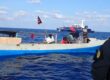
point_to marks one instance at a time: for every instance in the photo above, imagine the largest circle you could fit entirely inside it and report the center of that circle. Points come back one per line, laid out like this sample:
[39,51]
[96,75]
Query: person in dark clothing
[76,34]
[85,34]
[101,64]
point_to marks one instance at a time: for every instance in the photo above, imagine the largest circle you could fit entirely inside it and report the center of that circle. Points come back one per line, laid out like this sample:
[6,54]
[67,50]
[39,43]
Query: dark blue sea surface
[47,66]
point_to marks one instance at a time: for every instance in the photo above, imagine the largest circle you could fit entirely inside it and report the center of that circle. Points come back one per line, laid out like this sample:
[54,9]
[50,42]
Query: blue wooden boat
[76,48]
[11,45]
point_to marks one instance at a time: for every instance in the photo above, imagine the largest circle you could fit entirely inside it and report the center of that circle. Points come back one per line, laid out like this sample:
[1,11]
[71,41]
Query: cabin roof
[10,33]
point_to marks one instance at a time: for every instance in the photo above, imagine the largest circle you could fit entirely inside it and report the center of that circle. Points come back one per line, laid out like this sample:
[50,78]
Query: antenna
[82,23]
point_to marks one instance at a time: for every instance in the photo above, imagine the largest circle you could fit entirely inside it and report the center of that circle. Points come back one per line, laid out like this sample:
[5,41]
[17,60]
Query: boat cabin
[8,33]
[9,37]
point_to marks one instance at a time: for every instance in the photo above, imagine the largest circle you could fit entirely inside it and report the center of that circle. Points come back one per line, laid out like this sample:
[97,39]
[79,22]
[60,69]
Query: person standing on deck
[32,37]
[85,34]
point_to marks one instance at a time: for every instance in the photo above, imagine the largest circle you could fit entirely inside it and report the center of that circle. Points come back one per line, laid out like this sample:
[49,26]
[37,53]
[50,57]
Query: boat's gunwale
[90,50]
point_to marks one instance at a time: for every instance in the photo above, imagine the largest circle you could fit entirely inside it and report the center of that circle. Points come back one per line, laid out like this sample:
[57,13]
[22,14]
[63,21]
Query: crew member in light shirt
[50,39]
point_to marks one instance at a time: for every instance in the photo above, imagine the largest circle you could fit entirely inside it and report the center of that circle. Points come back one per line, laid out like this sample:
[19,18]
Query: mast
[82,23]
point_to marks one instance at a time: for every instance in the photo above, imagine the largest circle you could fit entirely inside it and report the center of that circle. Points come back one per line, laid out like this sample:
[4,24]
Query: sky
[55,13]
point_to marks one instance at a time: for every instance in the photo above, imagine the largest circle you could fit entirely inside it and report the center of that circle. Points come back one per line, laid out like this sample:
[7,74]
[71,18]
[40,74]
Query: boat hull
[27,49]
[88,50]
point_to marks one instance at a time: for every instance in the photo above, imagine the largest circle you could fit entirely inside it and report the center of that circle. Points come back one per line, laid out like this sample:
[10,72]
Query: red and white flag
[39,20]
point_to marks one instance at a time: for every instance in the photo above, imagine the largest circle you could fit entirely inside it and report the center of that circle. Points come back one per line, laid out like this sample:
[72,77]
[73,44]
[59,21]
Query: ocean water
[49,66]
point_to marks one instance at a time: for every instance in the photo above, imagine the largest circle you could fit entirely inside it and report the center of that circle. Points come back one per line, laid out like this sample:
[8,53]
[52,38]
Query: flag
[39,20]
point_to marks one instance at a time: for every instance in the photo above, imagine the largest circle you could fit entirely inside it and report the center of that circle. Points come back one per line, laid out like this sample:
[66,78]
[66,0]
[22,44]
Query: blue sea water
[49,66]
